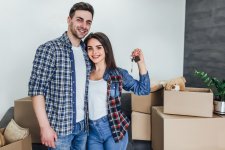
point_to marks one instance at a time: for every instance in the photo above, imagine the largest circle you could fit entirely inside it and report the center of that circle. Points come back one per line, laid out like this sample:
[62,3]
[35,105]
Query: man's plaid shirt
[117,80]
[53,76]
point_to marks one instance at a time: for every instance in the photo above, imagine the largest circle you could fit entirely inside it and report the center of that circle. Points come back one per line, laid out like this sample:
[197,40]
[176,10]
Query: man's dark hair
[81,6]
[104,40]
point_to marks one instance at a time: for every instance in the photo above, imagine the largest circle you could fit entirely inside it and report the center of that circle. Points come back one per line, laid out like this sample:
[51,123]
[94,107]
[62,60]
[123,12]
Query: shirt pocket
[114,91]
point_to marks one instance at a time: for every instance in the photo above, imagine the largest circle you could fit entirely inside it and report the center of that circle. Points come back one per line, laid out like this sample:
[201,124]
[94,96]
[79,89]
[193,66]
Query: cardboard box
[143,103]
[24,115]
[141,126]
[192,101]
[175,132]
[24,144]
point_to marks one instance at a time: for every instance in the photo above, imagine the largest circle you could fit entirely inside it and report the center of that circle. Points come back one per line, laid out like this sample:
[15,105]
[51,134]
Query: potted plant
[218,89]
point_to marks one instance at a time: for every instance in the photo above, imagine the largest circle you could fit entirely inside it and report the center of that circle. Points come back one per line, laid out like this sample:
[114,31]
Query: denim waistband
[103,119]
[79,126]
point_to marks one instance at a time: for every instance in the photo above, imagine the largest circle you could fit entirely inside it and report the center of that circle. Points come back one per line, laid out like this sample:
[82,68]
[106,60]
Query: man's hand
[48,136]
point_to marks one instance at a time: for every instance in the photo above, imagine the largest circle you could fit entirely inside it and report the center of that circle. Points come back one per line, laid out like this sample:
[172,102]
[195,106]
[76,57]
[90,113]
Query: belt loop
[81,126]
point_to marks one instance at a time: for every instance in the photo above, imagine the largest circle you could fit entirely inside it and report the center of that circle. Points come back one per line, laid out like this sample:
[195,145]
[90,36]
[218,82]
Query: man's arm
[48,135]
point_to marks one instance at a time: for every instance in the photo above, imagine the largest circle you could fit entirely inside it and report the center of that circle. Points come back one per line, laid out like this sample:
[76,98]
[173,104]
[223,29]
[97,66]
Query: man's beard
[75,34]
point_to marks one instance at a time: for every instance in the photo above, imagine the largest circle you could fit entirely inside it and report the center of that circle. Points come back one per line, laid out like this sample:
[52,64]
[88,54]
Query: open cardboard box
[191,102]
[24,144]
[24,115]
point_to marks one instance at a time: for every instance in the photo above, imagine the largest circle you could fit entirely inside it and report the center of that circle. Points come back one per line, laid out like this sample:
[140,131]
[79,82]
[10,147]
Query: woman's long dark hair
[104,40]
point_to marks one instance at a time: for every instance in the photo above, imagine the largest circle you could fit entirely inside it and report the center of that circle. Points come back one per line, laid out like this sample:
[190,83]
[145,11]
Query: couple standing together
[76,88]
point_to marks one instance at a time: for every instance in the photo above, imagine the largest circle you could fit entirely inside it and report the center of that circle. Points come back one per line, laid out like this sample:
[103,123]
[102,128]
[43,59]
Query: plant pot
[219,107]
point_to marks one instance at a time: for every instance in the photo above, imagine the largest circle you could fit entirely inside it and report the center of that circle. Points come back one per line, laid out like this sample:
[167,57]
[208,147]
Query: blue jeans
[100,136]
[75,141]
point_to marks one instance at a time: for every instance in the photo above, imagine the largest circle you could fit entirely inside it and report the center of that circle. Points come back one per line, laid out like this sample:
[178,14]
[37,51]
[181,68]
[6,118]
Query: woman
[108,125]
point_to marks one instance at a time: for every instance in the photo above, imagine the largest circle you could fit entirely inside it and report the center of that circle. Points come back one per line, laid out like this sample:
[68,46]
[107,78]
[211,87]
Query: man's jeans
[100,136]
[75,141]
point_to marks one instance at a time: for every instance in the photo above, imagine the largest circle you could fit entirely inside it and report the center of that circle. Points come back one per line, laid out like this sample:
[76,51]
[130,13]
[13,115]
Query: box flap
[156,87]
[28,98]
[159,109]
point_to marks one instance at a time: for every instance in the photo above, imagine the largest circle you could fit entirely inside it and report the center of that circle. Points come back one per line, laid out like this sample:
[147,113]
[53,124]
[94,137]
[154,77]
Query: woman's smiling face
[96,51]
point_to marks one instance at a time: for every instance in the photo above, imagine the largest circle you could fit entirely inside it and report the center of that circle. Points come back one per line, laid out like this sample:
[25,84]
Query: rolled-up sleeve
[42,71]
[139,87]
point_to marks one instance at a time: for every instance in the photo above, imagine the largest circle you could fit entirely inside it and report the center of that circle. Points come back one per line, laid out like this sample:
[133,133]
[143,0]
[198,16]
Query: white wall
[156,26]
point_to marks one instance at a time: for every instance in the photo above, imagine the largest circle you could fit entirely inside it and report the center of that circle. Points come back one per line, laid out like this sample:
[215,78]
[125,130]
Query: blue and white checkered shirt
[53,76]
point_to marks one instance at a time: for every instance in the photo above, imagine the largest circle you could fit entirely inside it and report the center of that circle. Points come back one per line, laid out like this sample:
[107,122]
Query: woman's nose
[95,51]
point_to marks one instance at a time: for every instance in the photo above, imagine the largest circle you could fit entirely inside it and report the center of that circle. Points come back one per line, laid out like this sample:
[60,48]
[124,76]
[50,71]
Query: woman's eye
[89,48]
[99,47]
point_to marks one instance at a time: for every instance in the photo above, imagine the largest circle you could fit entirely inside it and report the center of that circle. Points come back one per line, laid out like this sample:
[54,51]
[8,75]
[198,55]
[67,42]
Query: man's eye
[88,23]
[79,20]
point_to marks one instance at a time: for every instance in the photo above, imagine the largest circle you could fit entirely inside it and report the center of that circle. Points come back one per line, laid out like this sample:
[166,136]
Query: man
[59,83]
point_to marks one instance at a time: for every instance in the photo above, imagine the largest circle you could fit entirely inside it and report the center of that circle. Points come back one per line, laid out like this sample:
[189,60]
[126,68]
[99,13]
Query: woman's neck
[98,72]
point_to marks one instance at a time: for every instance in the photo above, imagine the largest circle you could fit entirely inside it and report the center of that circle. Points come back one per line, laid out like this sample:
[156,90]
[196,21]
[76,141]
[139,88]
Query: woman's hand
[141,62]
[138,52]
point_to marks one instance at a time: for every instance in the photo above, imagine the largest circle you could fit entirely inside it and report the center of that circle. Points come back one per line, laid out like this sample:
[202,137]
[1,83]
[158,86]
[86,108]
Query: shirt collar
[110,72]
[67,42]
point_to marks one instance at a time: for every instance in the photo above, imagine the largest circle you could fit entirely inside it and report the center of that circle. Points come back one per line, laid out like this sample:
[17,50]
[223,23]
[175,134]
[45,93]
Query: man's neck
[75,41]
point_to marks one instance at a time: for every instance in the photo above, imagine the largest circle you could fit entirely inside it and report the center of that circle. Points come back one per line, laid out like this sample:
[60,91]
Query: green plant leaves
[217,86]
[204,77]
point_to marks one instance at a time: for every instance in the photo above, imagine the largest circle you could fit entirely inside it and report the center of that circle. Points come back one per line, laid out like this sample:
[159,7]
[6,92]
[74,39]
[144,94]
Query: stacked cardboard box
[186,122]
[141,113]
[24,115]
[177,132]
[191,102]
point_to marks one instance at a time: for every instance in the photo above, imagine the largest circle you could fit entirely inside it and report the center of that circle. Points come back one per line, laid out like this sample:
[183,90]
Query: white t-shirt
[97,99]
[80,70]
